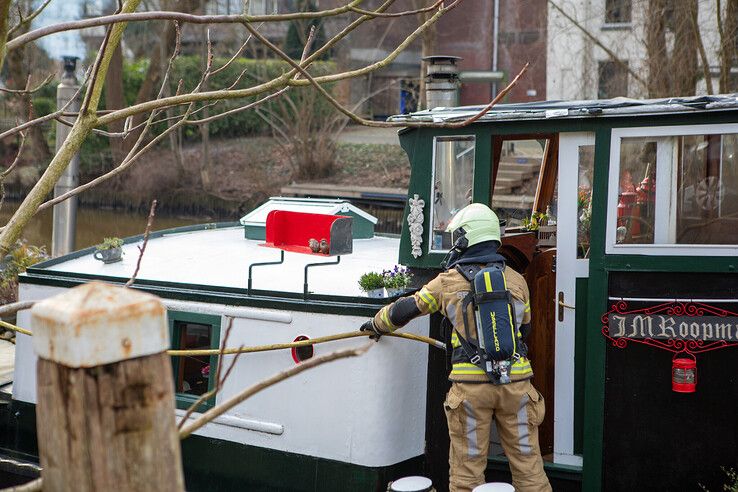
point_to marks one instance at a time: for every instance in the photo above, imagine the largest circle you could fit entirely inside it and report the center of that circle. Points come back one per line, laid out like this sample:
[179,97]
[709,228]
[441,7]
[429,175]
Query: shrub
[370,281]
[16,262]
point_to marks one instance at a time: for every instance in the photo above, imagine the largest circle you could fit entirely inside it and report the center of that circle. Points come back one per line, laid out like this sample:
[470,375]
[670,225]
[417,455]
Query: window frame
[473,138]
[659,249]
[604,91]
[610,22]
[183,400]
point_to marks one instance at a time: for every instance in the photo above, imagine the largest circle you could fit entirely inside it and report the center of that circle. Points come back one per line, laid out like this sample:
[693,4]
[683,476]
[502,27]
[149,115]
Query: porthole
[300,354]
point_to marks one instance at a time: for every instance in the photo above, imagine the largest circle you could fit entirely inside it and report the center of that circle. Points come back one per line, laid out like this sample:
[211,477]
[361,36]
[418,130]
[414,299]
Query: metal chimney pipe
[442,81]
[65,213]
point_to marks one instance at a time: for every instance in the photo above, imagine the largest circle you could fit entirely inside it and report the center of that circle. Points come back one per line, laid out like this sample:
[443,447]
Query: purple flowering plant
[397,278]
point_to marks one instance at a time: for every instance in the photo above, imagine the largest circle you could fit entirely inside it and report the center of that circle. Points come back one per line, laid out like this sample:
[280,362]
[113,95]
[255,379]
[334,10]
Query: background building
[655,48]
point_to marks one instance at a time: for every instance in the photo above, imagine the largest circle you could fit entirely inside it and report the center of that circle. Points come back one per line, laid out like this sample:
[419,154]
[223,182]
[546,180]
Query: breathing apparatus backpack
[498,344]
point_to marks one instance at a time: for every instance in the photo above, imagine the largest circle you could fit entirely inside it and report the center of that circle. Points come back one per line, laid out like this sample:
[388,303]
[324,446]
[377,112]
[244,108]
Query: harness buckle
[475,360]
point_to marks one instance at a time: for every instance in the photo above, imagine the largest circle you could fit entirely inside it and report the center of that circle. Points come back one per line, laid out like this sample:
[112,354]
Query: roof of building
[619,106]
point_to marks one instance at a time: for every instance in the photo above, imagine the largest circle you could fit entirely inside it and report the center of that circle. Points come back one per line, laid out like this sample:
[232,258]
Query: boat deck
[221,257]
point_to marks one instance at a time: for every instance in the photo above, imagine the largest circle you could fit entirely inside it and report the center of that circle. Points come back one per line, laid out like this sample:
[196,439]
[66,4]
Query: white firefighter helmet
[479,222]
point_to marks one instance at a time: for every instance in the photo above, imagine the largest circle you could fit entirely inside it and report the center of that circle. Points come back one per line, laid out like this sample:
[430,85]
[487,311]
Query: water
[94,224]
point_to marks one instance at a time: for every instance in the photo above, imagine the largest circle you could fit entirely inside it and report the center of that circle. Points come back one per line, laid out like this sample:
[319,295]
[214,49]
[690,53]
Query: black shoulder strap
[468,272]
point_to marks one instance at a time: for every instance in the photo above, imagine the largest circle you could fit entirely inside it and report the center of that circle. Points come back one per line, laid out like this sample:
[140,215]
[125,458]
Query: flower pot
[375,293]
[109,255]
[395,291]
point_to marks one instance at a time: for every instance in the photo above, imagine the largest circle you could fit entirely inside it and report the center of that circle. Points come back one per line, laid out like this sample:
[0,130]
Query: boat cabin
[642,197]
[621,214]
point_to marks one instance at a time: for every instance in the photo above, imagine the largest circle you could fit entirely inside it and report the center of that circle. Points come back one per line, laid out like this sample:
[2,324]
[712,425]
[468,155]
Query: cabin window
[194,375]
[453,184]
[584,199]
[677,190]
[518,167]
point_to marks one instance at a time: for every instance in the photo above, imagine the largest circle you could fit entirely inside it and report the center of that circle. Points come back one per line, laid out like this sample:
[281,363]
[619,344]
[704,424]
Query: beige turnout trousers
[518,409]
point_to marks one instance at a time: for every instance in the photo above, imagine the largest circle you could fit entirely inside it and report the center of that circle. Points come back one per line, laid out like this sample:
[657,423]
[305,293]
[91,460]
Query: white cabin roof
[326,206]
[221,258]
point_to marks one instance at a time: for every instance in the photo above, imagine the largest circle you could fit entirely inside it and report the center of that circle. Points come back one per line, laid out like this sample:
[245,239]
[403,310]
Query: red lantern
[684,374]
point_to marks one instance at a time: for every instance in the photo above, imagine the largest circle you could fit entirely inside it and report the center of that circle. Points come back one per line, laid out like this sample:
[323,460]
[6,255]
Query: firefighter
[475,398]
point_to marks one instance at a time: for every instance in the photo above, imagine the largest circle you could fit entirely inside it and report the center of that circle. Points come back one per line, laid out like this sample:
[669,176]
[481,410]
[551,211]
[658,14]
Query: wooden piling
[105,409]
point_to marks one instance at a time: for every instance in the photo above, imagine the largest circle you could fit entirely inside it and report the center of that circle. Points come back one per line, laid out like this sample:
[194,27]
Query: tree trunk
[728,28]
[658,58]
[36,151]
[684,58]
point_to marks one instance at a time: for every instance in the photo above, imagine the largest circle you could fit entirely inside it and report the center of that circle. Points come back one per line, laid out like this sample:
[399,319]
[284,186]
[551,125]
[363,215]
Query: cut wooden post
[105,411]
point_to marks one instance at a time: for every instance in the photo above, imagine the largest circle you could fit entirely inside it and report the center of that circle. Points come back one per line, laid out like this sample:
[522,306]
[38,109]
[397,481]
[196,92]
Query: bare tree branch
[219,382]
[398,14]
[91,120]
[14,307]
[172,16]
[279,82]
[84,125]
[384,124]
[27,19]
[48,79]
[701,50]
[142,248]
[10,168]
[42,119]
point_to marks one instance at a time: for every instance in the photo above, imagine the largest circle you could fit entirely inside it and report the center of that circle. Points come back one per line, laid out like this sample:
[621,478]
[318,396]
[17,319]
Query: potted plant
[545,229]
[396,280]
[110,250]
[373,284]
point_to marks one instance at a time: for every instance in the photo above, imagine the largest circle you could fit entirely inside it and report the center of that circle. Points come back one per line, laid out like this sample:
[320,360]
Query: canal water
[94,224]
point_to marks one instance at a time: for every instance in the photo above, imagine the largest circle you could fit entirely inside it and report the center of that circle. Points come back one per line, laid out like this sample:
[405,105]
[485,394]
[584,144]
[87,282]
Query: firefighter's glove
[369,326]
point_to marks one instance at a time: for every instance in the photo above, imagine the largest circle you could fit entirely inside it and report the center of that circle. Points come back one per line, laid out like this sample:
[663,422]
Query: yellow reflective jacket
[445,294]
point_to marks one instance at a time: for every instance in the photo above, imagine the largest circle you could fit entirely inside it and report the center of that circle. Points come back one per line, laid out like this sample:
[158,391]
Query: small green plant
[397,278]
[109,243]
[536,220]
[371,281]
[16,262]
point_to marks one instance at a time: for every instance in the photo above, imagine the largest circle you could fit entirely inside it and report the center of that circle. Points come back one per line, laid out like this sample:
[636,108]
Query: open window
[674,190]
[194,375]
[520,184]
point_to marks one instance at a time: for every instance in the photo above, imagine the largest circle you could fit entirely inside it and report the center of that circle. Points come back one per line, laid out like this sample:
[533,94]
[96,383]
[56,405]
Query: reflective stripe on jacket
[445,294]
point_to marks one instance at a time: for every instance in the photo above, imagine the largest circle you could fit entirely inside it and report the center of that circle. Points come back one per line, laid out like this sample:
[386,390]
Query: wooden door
[541,279]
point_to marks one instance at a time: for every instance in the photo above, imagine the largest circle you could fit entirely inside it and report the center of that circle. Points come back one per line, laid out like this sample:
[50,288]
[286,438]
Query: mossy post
[105,394]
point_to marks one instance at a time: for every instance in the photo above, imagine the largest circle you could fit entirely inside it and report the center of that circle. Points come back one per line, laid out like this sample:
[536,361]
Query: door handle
[563,305]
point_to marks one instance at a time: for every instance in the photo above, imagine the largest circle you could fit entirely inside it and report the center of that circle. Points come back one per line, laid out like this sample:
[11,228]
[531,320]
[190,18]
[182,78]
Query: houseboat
[623,216]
